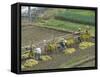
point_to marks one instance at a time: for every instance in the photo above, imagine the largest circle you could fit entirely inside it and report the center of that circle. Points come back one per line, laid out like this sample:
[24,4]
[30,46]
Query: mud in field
[37,34]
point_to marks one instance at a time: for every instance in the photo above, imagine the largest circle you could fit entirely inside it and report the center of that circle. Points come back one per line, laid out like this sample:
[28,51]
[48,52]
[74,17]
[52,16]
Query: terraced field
[48,27]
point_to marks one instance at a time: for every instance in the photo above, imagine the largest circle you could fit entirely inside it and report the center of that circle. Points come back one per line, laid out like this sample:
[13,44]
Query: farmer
[65,43]
[79,38]
[62,44]
[87,29]
[87,32]
[37,53]
[45,46]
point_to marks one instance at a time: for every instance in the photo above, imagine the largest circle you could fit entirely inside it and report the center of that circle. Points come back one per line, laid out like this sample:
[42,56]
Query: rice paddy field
[54,23]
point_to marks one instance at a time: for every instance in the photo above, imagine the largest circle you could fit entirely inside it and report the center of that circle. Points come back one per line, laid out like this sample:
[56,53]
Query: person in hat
[79,37]
[62,44]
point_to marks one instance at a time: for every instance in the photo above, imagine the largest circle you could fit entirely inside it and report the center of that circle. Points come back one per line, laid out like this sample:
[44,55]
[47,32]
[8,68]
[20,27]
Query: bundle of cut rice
[46,58]
[69,50]
[30,63]
[84,45]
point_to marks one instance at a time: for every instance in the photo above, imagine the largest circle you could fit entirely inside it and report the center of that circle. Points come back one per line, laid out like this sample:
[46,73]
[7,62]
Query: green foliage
[81,16]
[65,25]
[74,19]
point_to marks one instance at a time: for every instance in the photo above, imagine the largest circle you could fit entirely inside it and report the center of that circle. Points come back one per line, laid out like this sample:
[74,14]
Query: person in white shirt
[37,53]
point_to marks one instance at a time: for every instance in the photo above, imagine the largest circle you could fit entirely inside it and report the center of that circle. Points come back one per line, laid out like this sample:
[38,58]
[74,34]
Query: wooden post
[29,15]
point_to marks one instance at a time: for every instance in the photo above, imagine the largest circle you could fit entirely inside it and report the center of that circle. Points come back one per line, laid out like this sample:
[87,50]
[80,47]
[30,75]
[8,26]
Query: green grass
[82,12]
[80,16]
[65,25]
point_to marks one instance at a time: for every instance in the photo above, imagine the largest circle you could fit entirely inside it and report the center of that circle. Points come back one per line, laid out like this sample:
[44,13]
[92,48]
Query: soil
[37,34]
